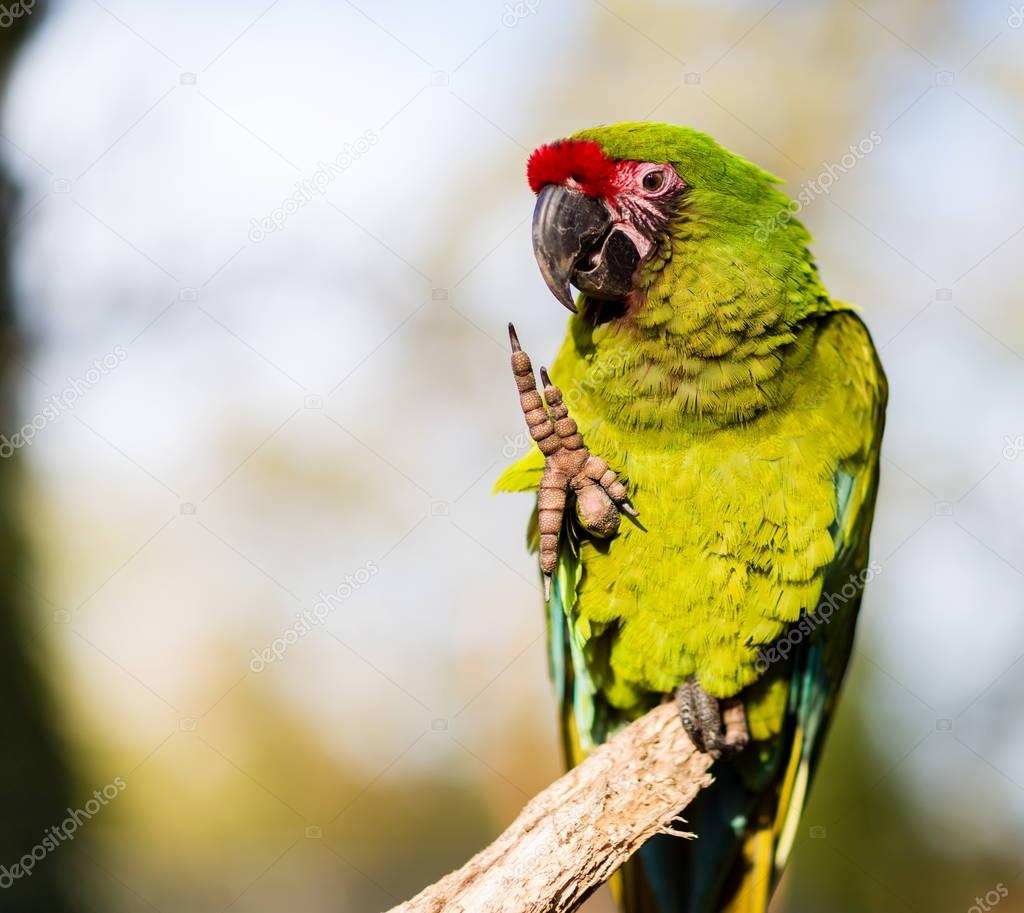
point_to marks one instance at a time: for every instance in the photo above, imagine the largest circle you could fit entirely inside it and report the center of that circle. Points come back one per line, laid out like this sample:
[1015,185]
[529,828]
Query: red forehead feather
[582,160]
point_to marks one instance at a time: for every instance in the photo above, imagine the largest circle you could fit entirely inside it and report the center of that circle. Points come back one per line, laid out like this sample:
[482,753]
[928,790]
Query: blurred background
[264,629]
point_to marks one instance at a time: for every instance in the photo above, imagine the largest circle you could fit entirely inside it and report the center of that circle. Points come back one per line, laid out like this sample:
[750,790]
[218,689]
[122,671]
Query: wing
[815,670]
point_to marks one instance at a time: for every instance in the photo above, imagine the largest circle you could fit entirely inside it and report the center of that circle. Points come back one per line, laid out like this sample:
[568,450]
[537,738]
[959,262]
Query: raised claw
[568,464]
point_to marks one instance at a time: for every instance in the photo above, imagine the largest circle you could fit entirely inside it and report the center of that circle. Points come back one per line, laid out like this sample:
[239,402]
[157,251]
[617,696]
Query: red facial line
[582,161]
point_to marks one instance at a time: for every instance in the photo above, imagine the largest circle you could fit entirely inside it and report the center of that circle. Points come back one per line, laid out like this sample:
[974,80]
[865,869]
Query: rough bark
[572,837]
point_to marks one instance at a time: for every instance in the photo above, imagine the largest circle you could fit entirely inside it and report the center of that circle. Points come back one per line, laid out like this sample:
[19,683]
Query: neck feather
[712,338]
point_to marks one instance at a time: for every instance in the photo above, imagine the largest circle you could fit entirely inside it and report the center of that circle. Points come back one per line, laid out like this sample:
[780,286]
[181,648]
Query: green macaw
[708,379]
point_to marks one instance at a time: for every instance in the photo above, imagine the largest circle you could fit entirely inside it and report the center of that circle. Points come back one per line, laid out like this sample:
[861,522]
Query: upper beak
[566,224]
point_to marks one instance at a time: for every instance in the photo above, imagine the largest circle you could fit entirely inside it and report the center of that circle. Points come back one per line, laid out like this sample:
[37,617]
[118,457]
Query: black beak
[566,226]
[574,244]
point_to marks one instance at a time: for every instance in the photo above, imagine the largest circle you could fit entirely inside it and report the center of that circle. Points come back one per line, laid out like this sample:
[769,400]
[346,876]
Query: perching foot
[714,726]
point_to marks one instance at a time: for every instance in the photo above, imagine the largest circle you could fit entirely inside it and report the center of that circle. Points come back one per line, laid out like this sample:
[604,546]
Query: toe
[734,720]
[701,716]
[698,712]
[687,708]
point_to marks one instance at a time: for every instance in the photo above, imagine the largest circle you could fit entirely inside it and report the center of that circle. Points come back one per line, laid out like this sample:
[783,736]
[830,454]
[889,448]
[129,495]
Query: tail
[728,868]
[731,865]
[748,889]
[745,824]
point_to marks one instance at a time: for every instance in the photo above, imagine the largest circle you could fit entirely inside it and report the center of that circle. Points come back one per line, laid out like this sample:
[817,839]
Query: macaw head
[619,207]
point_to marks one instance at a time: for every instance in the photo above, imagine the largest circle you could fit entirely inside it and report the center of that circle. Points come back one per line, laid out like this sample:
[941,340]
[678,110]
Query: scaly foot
[714,726]
[568,464]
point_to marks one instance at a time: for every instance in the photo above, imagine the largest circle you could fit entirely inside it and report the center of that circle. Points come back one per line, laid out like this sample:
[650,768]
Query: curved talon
[513,338]
[628,507]
[545,378]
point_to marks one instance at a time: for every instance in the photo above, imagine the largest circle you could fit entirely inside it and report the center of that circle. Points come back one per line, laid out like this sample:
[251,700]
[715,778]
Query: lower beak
[566,226]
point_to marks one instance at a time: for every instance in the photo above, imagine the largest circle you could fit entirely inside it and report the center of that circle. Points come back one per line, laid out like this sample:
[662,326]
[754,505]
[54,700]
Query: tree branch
[570,838]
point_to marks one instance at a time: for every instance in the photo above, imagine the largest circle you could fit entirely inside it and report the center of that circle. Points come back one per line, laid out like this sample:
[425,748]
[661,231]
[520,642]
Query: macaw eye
[653,181]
